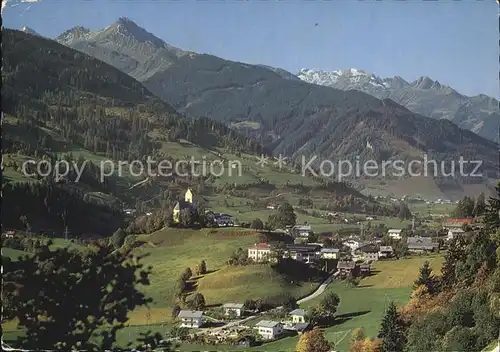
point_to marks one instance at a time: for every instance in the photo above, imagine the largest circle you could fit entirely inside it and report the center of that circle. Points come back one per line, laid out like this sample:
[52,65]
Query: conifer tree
[492,218]
[425,278]
[392,331]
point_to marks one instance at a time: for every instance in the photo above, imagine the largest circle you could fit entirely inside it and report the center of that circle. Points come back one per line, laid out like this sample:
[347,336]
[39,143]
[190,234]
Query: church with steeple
[187,203]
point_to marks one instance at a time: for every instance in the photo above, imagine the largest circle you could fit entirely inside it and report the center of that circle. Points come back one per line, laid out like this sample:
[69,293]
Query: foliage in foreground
[313,341]
[64,299]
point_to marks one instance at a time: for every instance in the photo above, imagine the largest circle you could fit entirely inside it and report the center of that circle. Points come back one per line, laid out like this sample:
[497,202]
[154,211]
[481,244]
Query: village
[348,259]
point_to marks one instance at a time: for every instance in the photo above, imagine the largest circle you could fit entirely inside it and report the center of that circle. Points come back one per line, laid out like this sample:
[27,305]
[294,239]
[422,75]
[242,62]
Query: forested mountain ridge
[290,116]
[91,102]
[61,104]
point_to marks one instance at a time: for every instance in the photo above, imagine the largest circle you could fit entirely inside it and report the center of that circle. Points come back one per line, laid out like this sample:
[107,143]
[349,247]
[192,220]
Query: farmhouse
[455,227]
[385,252]
[222,219]
[269,329]
[346,267]
[303,231]
[298,316]
[456,223]
[187,203]
[191,318]
[259,252]
[306,253]
[368,252]
[365,269]
[395,234]
[421,244]
[329,253]
[237,308]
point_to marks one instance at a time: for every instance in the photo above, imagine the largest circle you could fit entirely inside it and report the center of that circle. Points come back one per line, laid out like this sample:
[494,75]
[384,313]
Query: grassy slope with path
[363,306]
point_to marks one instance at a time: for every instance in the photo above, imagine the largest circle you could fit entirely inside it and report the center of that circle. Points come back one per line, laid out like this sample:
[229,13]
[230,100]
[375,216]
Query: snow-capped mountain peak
[126,27]
[342,79]
[74,34]
[29,30]
[124,31]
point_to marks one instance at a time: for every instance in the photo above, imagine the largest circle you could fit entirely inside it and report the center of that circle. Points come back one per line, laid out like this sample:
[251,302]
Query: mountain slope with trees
[459,308]
[424,96]
[61,104]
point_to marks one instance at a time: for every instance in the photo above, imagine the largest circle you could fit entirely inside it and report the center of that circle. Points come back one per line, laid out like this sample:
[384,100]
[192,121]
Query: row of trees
[182,283]
[469,207]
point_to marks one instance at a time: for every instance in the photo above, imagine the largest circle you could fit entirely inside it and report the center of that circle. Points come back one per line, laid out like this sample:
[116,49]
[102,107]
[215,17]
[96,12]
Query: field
[170,251]
[363,306]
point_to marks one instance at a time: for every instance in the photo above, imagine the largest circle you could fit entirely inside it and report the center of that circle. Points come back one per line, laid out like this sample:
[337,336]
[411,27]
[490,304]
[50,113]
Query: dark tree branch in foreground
[65,299]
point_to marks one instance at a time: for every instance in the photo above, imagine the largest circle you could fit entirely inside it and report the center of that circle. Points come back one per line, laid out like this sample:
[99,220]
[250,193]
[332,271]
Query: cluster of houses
[271,329]
[310,253]
[194,318]
[455,227]
[267,329]
[306,253]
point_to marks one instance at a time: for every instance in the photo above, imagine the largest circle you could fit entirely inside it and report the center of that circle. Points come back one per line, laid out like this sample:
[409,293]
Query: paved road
[319,290]
[315,294]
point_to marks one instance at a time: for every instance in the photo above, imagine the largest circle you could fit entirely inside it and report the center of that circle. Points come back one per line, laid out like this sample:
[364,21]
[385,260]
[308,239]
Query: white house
[259,252]
[394,234]
[191,318]
[385,252]
[306,253]
[330,253]
[269,329]
[298,316]
[301,231]
[237,308]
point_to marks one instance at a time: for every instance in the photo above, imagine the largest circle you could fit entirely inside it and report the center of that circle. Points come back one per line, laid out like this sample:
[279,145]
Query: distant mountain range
[289,115]
[424,96]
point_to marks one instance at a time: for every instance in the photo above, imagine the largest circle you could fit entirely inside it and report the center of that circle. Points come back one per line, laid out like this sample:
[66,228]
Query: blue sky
[454,42]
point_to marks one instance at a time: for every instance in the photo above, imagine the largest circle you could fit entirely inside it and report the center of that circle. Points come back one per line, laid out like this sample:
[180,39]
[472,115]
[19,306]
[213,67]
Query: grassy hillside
[363,306]
[186,248]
